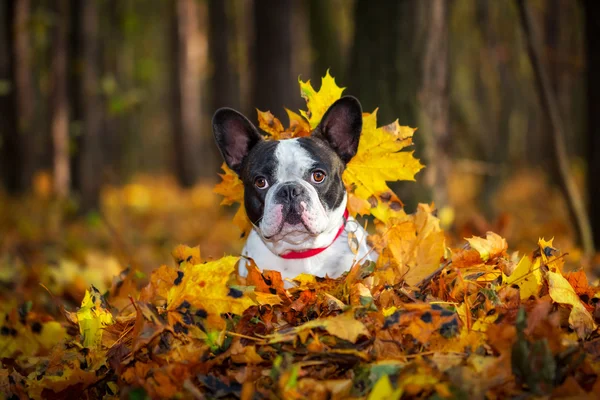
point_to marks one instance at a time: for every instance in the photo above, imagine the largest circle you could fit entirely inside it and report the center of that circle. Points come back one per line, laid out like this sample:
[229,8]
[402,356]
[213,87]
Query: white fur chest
[333,261]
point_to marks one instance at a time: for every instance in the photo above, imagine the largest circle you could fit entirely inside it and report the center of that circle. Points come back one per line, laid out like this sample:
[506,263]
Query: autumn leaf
[343,326]
[299,127]
[264,281]
[579,282]
[562,292]
[161,281]
[548,254]
[319,101]
[93,316]
[415,243]
[379,159]
[27,336]
[183,253]
[208,287]
[383,390]
[232,190]
[230,187]
[271,125]
[58,382]
[528,276]
[489,248]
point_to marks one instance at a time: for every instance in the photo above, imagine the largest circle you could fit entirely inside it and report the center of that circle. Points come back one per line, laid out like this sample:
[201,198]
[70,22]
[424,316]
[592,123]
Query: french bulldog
[293,192]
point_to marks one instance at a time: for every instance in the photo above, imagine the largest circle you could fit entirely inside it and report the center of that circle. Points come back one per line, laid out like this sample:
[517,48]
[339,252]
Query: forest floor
[471,330]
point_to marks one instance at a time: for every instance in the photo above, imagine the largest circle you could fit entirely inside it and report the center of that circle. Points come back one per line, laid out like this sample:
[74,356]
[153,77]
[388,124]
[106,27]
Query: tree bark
[399,65]
[325,39]
[433,99]
[9,145]
[550,106]
[194,157]
[274,83]
[90,153]
[225,81]
[24,96]
[383,65]
[592,33]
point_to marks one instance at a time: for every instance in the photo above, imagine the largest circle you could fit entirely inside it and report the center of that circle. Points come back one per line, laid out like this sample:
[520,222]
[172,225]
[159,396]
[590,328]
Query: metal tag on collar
[351,228]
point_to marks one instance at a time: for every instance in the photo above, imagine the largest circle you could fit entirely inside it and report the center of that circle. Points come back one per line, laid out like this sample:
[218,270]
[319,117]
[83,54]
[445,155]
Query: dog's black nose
[290,191]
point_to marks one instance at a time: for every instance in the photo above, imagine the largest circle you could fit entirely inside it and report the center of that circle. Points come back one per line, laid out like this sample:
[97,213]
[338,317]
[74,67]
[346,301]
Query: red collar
[295,255]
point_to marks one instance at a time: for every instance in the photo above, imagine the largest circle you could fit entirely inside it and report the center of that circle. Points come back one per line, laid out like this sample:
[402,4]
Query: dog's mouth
[292,224]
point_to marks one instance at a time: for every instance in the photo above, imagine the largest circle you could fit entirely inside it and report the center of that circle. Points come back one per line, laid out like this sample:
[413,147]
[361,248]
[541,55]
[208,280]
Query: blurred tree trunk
[577,208]
[24,96]
[9,145]
[59,107]
[112,38]
[193,151]
[224,83]
[324,38]
[433,99]
[592,33]
[383,65]
[274,85]
[399,63]
[89,171]
[542,150]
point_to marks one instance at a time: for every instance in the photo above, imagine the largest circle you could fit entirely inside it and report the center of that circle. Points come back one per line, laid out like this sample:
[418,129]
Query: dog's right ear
[235,136]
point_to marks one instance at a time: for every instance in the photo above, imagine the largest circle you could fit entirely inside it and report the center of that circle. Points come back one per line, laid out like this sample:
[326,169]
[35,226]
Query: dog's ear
[341,126]
[235,136]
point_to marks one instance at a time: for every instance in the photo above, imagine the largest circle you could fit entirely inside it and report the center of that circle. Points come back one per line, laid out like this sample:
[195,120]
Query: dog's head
[293,188]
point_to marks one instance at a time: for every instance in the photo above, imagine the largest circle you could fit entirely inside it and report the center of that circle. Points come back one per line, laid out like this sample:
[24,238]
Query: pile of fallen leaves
[424,321]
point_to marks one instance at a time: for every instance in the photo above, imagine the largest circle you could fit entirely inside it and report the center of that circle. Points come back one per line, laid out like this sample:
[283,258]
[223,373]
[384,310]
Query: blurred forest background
[107,156]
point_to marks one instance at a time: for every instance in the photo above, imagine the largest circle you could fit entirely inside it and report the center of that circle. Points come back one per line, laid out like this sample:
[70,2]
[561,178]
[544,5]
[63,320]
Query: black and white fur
[293,211]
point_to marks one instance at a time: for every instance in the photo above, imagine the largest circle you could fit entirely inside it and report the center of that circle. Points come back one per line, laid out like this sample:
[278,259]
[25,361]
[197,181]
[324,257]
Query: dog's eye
[261,182]
[318,176]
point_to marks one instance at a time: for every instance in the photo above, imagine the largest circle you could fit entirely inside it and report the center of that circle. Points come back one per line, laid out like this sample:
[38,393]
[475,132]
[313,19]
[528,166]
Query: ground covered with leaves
[430,319]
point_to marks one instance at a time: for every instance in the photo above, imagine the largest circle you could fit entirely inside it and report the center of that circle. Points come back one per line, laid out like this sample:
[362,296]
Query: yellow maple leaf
[562,292]
[266,299]
[26,338]
[183,253]
[208,287]
[527,275]
[318,102]
[230,187]
[232,190]
[549,259]
[343,326]
[92,317]
[415,242]
[379,160]
[492,246]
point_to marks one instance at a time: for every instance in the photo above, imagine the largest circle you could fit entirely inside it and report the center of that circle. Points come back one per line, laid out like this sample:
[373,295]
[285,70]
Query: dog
[294,194]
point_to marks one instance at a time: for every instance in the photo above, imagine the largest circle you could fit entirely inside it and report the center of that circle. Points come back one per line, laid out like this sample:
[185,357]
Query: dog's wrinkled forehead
[290,159]
[293,161]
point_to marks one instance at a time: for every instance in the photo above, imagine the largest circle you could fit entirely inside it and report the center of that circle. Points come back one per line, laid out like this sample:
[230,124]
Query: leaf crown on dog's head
[378,160]
[340,127]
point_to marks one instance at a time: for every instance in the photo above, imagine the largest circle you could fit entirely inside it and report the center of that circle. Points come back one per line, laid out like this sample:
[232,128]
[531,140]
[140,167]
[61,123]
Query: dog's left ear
[341,126]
